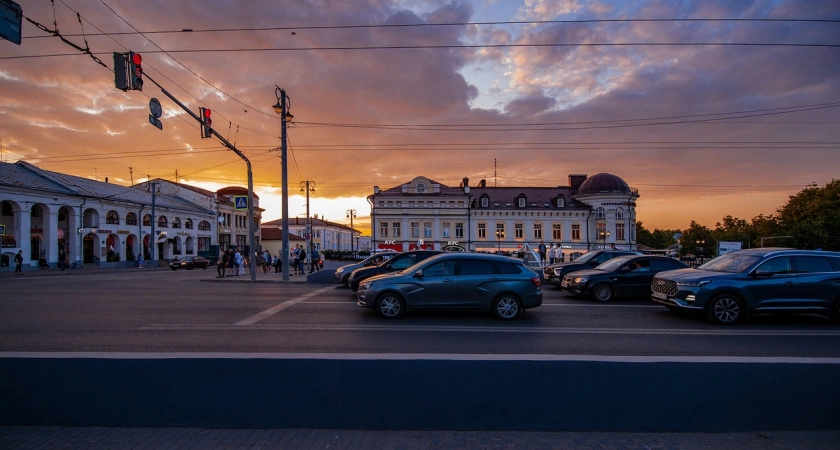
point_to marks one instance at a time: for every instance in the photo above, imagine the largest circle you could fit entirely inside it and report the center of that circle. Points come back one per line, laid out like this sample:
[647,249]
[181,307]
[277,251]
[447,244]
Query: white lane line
[428,356]
[494,329]
[277,308]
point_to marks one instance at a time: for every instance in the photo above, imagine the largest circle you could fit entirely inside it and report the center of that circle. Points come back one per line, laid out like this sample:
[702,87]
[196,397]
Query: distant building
[590,213]
[326,235]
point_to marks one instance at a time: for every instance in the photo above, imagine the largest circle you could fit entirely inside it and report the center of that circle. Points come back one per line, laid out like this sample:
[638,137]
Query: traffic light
[121,71]
[206,122]
[135,71]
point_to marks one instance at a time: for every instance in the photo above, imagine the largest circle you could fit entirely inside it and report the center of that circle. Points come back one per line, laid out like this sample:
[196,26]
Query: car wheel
[507,307]
[602,292]
[390,306]
[725,309]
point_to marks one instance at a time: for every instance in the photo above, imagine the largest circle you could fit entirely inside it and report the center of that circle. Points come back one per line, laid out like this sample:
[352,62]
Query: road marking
[487,329]
[277,308]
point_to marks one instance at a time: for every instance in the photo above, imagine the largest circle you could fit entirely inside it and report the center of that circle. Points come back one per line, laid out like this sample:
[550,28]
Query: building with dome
[590,213]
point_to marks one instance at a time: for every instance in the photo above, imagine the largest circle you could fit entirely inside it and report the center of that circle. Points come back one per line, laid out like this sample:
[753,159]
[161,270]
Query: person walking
[295,259]
[62,259]
[231,262]
[238,260]
[19,263]
[278,263]
[140,259]
[221,263]
[542,250]
[302,260]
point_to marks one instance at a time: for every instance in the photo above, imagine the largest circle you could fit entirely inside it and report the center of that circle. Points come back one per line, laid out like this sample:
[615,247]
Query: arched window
[204,225]
[619,213]
[188,224]
[176,223]
[161,222]
[600,213]
[147,220]
[131,219]
[112,217]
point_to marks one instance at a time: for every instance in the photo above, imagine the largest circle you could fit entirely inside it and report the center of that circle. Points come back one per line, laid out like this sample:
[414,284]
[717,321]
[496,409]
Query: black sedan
[189,263]
[623,276]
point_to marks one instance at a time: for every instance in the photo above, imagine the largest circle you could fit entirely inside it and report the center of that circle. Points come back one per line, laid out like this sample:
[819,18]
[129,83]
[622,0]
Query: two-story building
[590,213]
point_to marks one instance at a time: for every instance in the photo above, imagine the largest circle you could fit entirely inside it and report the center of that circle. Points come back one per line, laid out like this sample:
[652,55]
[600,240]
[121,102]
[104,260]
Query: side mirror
[418,274]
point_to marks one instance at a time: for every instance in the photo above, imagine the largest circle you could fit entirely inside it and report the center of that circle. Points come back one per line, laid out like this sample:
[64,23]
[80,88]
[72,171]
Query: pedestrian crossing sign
[240,202]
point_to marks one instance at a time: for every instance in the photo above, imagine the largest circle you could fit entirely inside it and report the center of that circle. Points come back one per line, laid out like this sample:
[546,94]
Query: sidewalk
[24,438]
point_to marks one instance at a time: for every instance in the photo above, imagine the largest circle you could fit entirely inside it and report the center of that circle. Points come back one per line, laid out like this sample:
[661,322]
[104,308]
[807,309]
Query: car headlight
[581,279]
[339,270]
[699,283]
[365,286]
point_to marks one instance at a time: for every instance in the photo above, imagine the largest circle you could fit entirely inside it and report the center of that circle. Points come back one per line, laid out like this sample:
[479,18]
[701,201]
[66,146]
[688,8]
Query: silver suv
[759,280]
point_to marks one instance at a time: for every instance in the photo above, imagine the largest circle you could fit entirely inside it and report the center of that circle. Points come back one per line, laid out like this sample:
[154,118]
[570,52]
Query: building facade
[590,213]
[326,235]
[45,213]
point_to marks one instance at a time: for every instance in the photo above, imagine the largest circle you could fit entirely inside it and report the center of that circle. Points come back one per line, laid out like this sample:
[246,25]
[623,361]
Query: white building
[590,213]
[326,235]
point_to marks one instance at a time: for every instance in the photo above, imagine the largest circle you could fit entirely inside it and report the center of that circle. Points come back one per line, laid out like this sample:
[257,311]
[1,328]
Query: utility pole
[351,214]
[310,187]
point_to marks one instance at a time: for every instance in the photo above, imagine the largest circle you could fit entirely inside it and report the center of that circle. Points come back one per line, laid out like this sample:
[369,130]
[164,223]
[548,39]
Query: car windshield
[586,257]
[611,265]
[730,263]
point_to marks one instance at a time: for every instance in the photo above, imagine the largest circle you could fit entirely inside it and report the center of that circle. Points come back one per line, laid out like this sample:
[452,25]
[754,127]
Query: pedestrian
[258,262]
[231,265]
[62,259]
[221,263]
[302,260]
[19,263]
[542,251]
[558,255]
[238,261]
[296,258]
[551,253]
[140,259]
[278,263]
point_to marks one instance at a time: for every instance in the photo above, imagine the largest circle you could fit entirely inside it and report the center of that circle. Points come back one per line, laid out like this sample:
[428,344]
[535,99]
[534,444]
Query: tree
[698,240]
[656,239]
[735,230]
[813,217]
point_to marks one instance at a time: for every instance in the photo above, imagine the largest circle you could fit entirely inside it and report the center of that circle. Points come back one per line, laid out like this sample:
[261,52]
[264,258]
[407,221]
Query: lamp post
[282,107]
[700,243]
[351,214]
[310,187]
[499,239]
[604,236]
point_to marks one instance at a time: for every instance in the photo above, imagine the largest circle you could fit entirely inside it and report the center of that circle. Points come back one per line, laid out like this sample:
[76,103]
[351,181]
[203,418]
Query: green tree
[656,239]
[735,230]
[812,217]
[698,240]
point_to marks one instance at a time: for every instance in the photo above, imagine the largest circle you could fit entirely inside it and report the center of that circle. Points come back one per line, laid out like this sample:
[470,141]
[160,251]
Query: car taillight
[536,281]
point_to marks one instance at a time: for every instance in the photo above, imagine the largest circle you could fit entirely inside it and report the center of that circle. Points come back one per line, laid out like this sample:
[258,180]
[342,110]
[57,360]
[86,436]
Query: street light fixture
[309,186]
[282,107]
[604,236]
[351,214]
[700,244]
[499,234]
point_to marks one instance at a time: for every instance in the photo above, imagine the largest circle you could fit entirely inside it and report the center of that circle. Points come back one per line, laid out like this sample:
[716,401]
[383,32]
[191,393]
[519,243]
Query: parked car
[189,263]
[760,280]
[622,276]
[343,273]
[554,273]
[455,281]
[397,262]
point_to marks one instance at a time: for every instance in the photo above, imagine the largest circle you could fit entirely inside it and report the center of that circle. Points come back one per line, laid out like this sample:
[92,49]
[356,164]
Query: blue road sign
[240,202]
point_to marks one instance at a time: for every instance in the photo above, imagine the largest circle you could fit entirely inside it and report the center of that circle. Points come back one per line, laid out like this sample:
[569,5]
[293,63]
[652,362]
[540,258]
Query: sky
[709,108]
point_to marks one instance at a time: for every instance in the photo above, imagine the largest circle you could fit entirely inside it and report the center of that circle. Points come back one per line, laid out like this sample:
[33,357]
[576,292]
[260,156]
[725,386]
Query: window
[482,231]
[475,267]
[775,266]
[500,230]
[427,230]
[204,244]
[538,231]
[459,230]
[600,230]
[600,213]
[445,230]
[112,217]
[557,231]
[575,231]
[485,201]
[204,225]
[619,213]
[224,241]
[161,222]
[561,202]
[383,229]
[440,269]
[420,188]
[812,264]
[176,223]
[518,231]
[395,227]
[522,201]
[415,229]
[188,224]
[619,231]
[131,219]
[147,220]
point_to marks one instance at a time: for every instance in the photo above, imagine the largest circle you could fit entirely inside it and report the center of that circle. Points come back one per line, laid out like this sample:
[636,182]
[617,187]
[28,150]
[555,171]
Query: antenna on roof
[495,179]
[131,175]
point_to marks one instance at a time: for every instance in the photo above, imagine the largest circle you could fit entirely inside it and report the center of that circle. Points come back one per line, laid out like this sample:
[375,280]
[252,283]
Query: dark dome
[603,183]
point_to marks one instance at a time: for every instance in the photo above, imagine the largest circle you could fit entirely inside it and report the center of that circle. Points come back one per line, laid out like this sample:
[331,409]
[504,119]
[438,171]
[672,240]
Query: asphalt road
[188,311]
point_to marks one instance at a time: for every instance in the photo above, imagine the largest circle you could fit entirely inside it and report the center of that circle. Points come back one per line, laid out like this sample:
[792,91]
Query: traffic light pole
[251,229]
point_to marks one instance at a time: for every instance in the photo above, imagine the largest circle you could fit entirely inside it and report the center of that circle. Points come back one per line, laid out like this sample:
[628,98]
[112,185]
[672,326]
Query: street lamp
[309,186]
[499,234]
[282,107]
[700,243]
[351,214]
[604,236]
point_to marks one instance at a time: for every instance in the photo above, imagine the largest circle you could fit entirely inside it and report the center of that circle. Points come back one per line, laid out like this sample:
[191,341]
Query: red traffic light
[207,113]
[136,58]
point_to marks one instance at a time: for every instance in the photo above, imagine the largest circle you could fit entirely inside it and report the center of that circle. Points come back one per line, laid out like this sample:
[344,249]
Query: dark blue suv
[759,280]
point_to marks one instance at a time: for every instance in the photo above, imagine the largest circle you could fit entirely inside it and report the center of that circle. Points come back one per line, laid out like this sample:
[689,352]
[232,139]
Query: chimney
[465,182]
[482,183]
[575,180]
[106,179]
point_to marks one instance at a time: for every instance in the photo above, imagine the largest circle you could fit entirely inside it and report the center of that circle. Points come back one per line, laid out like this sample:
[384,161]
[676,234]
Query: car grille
[664,286]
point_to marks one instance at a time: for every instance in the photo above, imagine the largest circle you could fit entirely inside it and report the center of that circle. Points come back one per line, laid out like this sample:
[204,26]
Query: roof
[602,183]
[301,221]
[276,234]
[24,175]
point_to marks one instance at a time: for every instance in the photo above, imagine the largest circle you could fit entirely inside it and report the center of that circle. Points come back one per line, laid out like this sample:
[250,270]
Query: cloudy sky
[708,108]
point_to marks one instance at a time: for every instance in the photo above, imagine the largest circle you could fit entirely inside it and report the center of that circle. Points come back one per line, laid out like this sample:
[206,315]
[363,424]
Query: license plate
[659,295]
